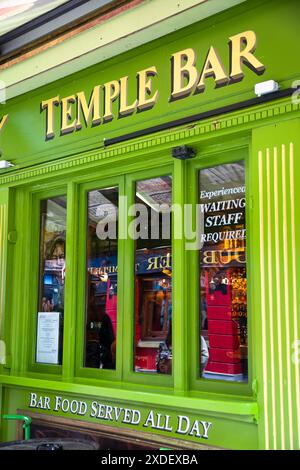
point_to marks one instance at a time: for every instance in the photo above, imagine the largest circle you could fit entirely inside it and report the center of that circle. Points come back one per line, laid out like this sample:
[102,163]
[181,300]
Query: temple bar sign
[76,111]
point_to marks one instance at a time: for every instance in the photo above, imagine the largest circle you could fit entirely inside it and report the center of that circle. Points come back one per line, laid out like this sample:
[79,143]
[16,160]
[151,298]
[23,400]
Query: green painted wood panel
[273,206]
[276,233]
[4,349]
[3,249]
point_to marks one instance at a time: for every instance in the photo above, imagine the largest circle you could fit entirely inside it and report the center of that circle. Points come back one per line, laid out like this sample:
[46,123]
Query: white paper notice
[47,349]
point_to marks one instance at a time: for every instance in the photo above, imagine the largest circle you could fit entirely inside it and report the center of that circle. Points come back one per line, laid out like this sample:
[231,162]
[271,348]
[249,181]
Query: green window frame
[33,280]
[80,370]
[197,383]
[129,375]
[185,379]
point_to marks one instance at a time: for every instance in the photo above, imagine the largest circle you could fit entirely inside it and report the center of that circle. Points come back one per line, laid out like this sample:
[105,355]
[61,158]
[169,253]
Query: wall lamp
[264,88]
[5,164]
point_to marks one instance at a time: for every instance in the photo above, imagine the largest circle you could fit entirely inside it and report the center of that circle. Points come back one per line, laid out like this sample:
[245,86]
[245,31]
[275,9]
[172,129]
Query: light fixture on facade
[5,164]
[264,88]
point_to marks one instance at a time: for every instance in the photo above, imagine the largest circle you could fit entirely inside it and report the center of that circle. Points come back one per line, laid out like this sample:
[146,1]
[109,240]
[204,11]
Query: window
[101,279]
[223,283]
[138,325]
[153,276]
[51,280]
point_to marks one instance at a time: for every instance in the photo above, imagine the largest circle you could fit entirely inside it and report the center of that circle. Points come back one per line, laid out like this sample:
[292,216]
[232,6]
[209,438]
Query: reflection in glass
[102,276]
[153,277]
[223,302]
[53,260]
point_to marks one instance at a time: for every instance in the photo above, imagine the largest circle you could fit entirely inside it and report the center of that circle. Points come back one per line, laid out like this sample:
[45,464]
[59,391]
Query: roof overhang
[63,17]
[131,25]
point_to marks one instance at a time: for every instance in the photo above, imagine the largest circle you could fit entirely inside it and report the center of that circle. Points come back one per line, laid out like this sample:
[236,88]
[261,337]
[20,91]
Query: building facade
[179,328]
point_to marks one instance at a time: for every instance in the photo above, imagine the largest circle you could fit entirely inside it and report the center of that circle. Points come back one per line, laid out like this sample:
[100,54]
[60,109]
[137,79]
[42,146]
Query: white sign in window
[47,350]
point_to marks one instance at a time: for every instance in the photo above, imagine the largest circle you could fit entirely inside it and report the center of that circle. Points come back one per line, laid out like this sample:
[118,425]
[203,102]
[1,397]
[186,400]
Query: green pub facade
[187,335]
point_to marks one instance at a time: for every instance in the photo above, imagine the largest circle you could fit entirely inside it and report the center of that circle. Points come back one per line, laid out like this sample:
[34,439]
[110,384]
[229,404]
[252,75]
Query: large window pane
[223,320]
[153,276]
[51,280]
[102,276]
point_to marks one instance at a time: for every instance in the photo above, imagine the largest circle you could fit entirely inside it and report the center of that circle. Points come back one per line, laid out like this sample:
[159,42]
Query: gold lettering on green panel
[186,79]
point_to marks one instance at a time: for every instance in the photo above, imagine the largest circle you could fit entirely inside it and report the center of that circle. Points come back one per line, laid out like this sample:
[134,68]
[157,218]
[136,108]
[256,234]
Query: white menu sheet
[47,348]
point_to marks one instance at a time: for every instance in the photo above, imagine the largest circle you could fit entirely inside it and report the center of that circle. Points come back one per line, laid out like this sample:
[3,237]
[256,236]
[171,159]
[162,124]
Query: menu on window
[47,349]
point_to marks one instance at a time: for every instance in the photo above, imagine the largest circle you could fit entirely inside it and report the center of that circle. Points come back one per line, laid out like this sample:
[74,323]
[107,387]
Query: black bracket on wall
[183,152]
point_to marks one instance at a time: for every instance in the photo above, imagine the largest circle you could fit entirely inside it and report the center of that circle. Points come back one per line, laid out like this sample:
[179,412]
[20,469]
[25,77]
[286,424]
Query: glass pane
[153,276]
[223,284]
[52,280]
[101,280]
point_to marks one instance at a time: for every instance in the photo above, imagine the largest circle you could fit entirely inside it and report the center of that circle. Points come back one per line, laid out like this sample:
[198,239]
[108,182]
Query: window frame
[185,361]
[129,375]
[33,278]
[80,370]
[197,383]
